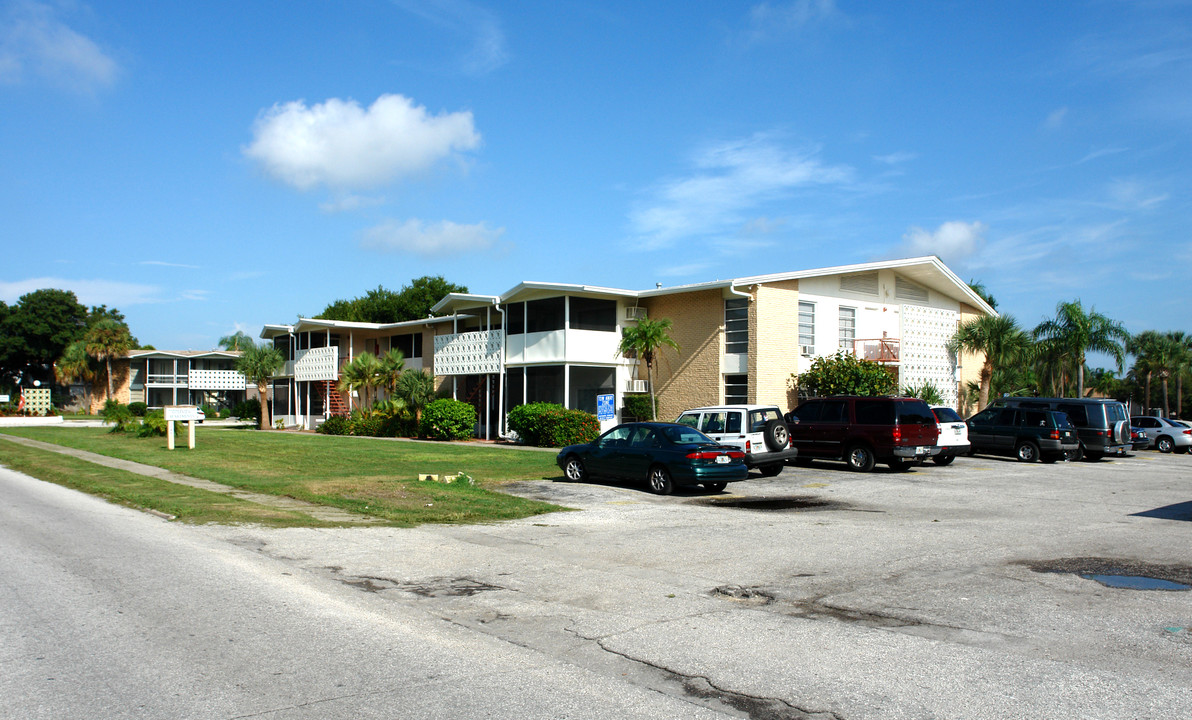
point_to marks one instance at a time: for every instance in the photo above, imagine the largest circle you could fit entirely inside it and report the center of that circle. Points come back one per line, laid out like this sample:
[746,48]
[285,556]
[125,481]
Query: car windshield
[943,414]
[1063,421]
[685,435]
[1115,412]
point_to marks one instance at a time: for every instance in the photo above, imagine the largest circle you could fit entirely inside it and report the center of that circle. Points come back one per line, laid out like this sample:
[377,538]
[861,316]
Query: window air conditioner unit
[635,313]
[806,350]
[638,386]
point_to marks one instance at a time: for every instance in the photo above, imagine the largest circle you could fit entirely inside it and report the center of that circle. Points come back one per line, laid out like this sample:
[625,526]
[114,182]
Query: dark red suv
[863,431]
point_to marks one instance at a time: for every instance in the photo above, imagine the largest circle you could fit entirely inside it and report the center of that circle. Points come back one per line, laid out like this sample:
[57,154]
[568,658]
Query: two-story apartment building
[741,340]
[174,377]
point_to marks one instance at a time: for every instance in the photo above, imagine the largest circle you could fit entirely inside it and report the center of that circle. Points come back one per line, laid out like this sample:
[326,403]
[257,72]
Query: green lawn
[364,475]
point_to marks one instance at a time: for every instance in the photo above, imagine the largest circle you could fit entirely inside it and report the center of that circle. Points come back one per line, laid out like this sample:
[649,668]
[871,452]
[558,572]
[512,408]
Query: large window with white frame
[848,328]
[736,389]
[806,324]
[736,326]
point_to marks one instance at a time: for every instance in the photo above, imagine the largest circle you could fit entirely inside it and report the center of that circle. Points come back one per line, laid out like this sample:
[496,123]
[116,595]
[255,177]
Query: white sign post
[181,413]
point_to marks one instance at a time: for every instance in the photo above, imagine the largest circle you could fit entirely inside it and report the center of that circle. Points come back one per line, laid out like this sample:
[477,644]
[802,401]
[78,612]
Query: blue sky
[208,167]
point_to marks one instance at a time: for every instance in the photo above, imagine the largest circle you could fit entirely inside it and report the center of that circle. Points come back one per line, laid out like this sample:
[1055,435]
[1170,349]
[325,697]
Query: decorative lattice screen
[924,354]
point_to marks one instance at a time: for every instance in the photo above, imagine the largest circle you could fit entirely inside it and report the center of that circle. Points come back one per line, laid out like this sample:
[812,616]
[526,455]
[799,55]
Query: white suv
[759,430]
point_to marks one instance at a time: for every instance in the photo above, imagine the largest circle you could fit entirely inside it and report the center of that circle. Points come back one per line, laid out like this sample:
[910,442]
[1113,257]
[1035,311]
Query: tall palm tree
[76,365]
[257,364]
[1183,364]
[643,341]
[416,388]
[999,338]
[238,340]
[106,339]
[363,374]
[1079,332]
[393,363]
[1145,347]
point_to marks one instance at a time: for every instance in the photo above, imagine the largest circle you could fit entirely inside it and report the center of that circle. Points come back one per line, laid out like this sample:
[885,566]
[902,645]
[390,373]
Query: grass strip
[362,475]
[190,505]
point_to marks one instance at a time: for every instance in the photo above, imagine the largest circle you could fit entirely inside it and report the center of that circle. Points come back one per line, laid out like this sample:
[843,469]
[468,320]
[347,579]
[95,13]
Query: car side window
[642,438]
[808,412]
[875,412]
[713,422]
[617,437]
[1009,416]
[985,417]
[1076,413]
[834,411]
[689,419]
[1034,418]
[732,423]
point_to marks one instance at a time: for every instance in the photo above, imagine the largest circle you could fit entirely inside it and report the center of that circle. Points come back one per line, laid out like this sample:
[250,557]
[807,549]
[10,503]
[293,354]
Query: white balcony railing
[216,380]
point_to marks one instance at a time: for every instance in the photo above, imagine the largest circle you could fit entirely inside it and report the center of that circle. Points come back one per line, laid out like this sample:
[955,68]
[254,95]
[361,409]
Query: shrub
[365,423]
[224,413]
[335,425]
[927,392]
[527,421]
[247,409]
[209,410]
[154,425]
[552,425]
[844,374]
[638,406]
[447,419]
[138,408]
[119,417]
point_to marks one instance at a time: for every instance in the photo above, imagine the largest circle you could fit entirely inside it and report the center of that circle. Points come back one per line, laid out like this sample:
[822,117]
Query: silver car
[1165,435]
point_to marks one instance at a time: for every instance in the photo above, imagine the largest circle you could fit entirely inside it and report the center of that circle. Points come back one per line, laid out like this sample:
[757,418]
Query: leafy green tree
[35,332]
[417,298]
[237,341]
[845,374]
[644,341]
[1079,331]
[412,302]
[258,364]
[1182,352]
[416,388]
[107,339]
[1001,341]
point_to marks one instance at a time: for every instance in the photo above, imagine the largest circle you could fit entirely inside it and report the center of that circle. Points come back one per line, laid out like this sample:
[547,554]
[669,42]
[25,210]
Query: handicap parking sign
[604,407]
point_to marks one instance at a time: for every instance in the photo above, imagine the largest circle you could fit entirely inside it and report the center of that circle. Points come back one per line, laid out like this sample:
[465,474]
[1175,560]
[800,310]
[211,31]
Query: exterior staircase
[332,400]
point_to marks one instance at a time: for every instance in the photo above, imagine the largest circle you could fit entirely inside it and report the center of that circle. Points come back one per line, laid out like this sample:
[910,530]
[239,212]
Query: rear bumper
[916,451]
[694,475]
[754,460]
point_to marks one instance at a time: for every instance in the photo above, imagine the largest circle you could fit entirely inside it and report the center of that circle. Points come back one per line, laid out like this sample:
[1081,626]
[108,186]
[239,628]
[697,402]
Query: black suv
[1102,426]
[1028,434]
[863,431]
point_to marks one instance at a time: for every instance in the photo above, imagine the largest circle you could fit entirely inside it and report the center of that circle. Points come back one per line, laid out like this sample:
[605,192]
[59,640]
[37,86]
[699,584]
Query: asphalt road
[940,593]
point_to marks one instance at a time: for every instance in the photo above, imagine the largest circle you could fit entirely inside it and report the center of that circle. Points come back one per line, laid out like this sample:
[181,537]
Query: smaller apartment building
[741,340]
[166,377]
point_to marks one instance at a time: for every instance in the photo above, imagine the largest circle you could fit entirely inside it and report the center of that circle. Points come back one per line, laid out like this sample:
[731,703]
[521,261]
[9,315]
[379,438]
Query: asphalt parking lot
[964,591]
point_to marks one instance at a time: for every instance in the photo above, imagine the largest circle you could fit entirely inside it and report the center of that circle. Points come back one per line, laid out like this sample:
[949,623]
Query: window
[713,423]
[944,414]
[282,343]
[545,315]
[593,314]
[515,315]
[834,411]
[875,412]
[736,326]
[544,384]
[736,389]
[588,382]
[848,328]
[409,344]
[807,324]
[808,411]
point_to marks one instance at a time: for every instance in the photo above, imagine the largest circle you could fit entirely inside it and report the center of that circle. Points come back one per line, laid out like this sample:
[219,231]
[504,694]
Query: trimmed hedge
[335,425]
[446,419]
[552,425]
[138,408]
[638,406]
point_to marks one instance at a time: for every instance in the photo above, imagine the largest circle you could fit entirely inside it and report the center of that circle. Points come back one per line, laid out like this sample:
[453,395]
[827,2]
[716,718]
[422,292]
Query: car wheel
[776,434]
[715,487]
[660,481]
[943,459]
[575,470]
[1074,455]
[1048,459]
[859,458]
[1027,452]
[901,465]
[1165,444]
[771,470]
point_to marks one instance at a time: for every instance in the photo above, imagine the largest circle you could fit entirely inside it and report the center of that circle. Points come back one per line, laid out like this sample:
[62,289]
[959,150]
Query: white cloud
[162,263]
[34,42]
[767,19]
[1133,195]
[729,182]
[341,145]
[1055,120]
[349,203]
[478,25]
[896,158]
[421,238]
[89,292]
[952,241]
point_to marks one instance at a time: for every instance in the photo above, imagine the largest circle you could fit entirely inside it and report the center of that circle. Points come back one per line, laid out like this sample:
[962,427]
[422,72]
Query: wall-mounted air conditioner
[637,386]
[806,350]
[635,313]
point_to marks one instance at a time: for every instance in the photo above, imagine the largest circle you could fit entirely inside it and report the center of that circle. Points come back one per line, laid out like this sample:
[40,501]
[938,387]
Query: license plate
[920,450]
[722,459]
[956,431]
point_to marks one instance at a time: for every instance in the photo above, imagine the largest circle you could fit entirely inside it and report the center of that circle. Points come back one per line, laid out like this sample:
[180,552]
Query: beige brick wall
[120,381]
[970,364]
[774,344]
[689,377]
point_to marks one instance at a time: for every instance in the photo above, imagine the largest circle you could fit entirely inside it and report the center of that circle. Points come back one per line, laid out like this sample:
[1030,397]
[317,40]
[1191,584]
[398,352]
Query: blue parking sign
[604,407]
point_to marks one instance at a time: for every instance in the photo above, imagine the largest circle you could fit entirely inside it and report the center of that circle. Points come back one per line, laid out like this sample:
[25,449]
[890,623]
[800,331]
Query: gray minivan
[1103,425]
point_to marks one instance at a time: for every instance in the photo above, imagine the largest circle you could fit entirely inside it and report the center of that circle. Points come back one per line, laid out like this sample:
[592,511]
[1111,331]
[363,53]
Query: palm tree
[106,339]
[1079,331]
[416,388]
[643,341]
[76,365]
[361,373]
[1183,363]
[258,363]
[1145,347]
[999,338]
[393,363]
[236,341]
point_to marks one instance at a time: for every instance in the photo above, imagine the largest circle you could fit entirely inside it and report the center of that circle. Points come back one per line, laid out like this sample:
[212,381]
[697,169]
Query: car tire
[574,469]
[771,470]
[1165,444]
[943,459]
[1027,452]
[715,487]
[660,481]
[1075,455]
[860,458]
[901,465]
[777,435]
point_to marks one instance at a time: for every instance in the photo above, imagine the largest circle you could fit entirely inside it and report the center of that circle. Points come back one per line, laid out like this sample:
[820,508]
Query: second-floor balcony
[879,350]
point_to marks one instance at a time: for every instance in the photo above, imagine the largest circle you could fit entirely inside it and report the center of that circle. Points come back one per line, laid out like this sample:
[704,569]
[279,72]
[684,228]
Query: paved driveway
[942,592]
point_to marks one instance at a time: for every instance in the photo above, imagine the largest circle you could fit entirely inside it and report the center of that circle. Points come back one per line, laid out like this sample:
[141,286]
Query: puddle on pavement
[1121,573]
[1136,582]
[788,502]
